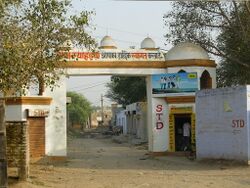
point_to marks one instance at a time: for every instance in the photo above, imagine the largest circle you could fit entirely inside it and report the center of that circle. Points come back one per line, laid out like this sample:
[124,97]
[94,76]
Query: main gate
[108,60]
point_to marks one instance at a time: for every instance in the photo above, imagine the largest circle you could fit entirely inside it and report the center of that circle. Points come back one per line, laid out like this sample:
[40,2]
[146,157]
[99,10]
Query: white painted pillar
[149,113]
[212,72]
[248,121]
[157,121]
[56,129]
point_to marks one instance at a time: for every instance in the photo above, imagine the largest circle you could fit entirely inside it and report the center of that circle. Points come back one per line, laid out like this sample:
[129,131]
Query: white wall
[137,123]
[56,135]
[248,120]
[121,120]
[14,113]
[18,112]
[217,111]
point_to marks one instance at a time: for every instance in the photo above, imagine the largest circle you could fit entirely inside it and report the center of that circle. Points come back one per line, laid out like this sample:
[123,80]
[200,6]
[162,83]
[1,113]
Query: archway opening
[181,71]
[100,93]
[205,80]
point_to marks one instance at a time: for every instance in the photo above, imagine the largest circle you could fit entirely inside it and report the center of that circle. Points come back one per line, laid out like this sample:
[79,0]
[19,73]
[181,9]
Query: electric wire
[125,31]
[79,86]
[90,87]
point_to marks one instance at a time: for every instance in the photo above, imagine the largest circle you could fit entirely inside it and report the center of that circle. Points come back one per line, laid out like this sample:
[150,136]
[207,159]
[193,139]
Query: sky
[128,23]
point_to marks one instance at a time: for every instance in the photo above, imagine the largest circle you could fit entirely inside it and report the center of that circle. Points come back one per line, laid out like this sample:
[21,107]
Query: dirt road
[101,163]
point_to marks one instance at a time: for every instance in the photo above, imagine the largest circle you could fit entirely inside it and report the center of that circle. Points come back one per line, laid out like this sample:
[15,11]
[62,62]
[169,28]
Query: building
[121,120]
[136,115]
[169,111]
[27,127]
[170,100]
[96,117]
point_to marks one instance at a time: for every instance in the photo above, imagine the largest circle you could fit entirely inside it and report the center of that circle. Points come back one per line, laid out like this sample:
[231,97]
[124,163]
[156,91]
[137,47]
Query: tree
[221,28]
[79,109]
[32,34]
[126,90]
[235,45]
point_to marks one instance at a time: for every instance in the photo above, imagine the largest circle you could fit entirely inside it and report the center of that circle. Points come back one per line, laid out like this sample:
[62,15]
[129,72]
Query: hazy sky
[128,23]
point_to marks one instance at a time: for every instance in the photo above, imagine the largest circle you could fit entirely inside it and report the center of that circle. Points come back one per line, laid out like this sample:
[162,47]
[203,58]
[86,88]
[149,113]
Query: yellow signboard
[192,75]
[181,110]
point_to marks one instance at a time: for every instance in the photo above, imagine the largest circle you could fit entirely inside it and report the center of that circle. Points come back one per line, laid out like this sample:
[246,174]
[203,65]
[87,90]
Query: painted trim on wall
[115,64]
[151,49]
[140,64]
[180,99]
[191,63]
[107,47]
[28,100]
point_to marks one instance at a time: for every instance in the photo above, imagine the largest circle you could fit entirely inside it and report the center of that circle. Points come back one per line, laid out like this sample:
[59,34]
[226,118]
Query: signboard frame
[174,83]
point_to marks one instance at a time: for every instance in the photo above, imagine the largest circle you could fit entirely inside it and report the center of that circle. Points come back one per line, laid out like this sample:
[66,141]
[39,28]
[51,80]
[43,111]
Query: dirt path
[101,163]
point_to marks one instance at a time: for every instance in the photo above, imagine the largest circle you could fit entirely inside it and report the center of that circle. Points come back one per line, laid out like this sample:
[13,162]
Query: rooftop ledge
[25,100]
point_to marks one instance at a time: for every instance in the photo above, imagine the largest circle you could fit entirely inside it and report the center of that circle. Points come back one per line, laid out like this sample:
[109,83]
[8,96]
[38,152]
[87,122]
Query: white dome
[108,42]
[147,43]
[186,50]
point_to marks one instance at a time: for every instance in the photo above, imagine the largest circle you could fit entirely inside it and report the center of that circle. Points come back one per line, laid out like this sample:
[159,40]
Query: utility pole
[3,158]
[102,109]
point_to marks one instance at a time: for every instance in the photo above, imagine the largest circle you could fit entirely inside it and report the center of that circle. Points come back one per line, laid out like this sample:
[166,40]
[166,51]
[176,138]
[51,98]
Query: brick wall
[18,147]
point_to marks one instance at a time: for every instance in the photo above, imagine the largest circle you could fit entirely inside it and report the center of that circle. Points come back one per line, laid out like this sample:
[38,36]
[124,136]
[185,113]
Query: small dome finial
[148,44]
[107,43]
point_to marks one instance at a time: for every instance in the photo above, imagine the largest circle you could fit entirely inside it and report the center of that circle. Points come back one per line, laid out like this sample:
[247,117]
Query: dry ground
[100,163]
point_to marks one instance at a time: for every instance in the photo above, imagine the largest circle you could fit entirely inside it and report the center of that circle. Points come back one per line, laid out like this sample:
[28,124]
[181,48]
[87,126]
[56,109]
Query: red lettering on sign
[234,123]
[159,116]
[242,123]
[159,123]
[238,123]
[159,108]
